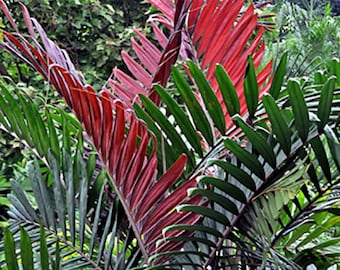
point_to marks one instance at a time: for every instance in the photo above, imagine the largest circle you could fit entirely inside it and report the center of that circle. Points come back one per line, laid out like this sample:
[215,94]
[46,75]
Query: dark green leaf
[325,102]
[56,262]
[228,188]
[249,160]
[334,145]
[258,141]
[11,119]
[209,97]
[32,124]
[238,173]
[53,137]
[44,257]
[251,90]
[196,112]
[166,126]
[14,115]
[299,107]
[320,154]
[171,157]
[205,212]
[9,246]
[276,85]
[217,198]
[278,123]
[335,70]
[228,91]
[181,119]
[26,250]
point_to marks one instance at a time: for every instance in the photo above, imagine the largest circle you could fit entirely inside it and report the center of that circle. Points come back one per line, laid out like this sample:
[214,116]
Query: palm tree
[227,165]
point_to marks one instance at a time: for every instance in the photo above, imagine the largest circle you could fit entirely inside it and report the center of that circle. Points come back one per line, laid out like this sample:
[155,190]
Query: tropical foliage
[93,32]
[205,157]
[308,34]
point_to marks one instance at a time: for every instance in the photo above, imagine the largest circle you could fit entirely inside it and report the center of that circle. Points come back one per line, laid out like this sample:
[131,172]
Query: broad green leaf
[217,198]
[237,173]
[299,107]
[13,113]
[320,79]
[196,111]
[205,212]
[335,70]
[171,156]
[26,250]
[167,127]
[9,247]
[249,160]
[209,97]
[34,126]
[228,91]
[320,154]
[258,141]
[228,188]
[276,85]
[325,102]
[53,137]
[278,123]
[56,262]
[44,256]
[181,119]
[251,90]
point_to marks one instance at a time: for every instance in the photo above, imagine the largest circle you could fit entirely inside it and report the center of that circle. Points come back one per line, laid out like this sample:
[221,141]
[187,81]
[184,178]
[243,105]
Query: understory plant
[310,35]
[202,156]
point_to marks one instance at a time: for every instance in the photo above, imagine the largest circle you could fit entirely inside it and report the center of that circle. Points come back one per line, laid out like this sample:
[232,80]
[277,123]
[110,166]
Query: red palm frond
[105,119]
[207,32]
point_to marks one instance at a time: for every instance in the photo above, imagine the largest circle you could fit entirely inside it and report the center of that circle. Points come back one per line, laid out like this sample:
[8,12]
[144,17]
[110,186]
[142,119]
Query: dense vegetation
[204,149]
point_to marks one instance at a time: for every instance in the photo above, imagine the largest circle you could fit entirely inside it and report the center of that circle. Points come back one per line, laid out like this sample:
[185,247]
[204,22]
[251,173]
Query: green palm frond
[281,161]
[84,237]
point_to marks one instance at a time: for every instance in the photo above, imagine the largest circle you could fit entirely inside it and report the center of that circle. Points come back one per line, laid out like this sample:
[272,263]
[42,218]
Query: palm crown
[224,165]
